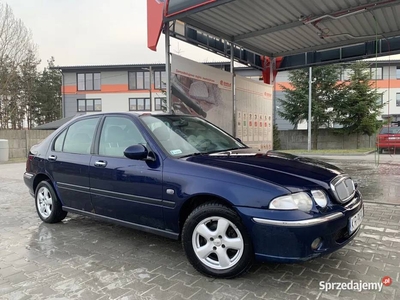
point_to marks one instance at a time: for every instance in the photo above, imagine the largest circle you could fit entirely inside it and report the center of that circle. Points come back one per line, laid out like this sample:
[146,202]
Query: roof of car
[58,123]
[137,114]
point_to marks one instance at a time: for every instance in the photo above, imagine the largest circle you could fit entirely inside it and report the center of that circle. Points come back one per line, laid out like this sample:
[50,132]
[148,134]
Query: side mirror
[137,152]
[239,140]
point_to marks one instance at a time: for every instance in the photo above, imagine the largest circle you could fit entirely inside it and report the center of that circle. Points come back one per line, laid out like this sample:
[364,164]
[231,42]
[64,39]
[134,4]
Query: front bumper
[388,145]
[290,240]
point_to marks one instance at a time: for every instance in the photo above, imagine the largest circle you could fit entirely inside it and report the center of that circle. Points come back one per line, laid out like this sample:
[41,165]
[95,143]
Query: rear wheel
[380,150]
[216,242]
[48,206]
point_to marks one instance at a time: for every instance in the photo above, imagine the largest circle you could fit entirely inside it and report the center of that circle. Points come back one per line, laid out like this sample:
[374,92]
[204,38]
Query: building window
[159,103]
[397,99]
[139,104]
[380,99]
[346,75]
[340,73]
[376,73]
[89,82]
[88,105]
[139,80]
[398,73]
[160,80]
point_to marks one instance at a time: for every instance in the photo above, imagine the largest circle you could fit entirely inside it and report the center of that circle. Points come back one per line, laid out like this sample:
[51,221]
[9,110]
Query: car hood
[292,172]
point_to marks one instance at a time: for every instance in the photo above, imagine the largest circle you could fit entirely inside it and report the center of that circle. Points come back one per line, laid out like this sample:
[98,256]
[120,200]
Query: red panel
[267,69]
[154,22]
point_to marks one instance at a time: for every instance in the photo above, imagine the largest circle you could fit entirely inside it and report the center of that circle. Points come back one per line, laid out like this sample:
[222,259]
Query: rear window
[390,130]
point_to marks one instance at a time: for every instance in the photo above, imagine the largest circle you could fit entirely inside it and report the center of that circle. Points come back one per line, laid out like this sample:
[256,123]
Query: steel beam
[306,59]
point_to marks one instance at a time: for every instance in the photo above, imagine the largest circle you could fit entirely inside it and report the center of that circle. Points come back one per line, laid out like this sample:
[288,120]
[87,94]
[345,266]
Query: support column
[274,104]
[233,90]
[310,82]
[168,68]
[151,88]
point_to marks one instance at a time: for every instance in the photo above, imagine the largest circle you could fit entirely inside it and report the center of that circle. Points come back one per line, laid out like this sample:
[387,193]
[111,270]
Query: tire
[380,150]
[211,255]
[48,206]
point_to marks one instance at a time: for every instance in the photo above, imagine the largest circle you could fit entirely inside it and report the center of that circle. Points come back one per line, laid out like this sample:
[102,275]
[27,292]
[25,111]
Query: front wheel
[48,206]
[216,242]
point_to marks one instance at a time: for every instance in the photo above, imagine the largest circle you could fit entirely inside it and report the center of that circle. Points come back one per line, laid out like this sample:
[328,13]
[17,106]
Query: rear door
[122,188]
[68,163]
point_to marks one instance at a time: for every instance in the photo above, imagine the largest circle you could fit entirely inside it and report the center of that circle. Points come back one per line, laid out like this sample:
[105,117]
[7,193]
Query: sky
[96,32]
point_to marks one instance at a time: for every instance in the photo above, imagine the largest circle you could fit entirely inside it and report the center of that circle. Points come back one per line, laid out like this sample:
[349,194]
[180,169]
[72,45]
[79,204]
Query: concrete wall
[20,141]
[327,139]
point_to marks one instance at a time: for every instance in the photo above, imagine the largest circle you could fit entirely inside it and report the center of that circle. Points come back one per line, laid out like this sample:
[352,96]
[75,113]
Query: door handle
[100,164]
[52,158]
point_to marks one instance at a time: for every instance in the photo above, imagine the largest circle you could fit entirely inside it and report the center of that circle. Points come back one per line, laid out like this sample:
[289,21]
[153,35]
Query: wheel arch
[197,200]
[39,178]
[44,177]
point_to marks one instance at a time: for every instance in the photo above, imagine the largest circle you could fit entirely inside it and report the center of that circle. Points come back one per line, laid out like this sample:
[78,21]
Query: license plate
[355,221]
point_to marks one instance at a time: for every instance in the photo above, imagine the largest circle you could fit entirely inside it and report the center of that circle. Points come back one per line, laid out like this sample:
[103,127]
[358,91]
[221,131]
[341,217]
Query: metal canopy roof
[286,27]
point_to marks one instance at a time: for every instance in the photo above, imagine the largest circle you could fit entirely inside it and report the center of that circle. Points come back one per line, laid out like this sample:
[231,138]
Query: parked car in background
[184,178]
[388,139]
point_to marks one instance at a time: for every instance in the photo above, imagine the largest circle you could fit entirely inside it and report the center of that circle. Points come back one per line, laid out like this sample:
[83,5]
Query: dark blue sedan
[184,178]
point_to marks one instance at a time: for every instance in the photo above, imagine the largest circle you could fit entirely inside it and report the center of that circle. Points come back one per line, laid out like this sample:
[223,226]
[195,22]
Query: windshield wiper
[213,152]
[193,154]
[227,150]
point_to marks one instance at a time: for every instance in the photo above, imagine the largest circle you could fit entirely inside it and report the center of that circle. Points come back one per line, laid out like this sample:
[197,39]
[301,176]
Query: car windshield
[390,130]
[185,135]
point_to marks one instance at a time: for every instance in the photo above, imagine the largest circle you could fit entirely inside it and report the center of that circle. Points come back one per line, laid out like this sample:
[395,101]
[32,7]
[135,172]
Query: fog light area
[316,243]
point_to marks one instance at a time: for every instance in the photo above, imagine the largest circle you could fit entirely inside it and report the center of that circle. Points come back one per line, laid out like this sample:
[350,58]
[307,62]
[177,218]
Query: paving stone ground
[81,258]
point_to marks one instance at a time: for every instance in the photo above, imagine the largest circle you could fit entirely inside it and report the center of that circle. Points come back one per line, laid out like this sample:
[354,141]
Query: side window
[117,134]
[58,144]
[80,136]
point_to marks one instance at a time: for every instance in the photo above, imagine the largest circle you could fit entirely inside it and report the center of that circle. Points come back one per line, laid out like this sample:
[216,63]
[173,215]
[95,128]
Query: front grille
[343,188]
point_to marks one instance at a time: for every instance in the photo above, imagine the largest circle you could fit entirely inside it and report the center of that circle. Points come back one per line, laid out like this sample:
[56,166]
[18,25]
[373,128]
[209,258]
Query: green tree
[48,95]
[277,140]
[325,90]
[29,79]
[358,109]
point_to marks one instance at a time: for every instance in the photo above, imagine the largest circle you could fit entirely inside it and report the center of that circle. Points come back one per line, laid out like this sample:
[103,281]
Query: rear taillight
[28,162]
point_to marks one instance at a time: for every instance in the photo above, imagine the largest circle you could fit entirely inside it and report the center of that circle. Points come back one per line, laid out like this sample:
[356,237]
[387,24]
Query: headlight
[301,201]
[320,198]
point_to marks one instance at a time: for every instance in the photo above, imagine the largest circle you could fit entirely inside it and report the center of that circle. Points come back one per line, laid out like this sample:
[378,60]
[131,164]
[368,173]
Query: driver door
[122,188]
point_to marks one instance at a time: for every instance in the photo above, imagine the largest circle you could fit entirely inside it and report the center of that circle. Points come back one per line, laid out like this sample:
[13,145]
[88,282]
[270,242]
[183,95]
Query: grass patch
[331,151]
